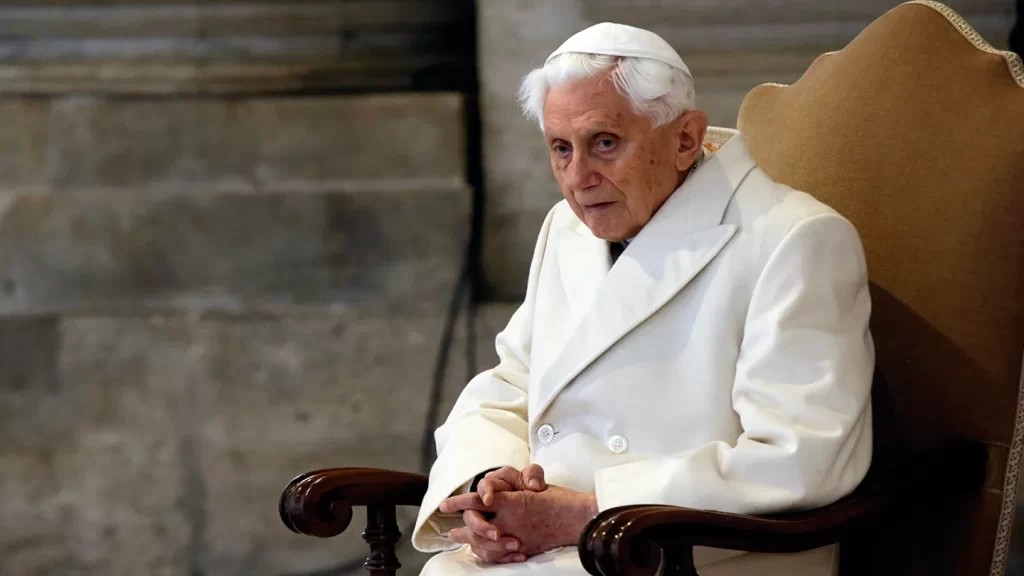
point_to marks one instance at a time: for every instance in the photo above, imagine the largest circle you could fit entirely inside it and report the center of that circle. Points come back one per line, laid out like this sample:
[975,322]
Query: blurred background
[241,240]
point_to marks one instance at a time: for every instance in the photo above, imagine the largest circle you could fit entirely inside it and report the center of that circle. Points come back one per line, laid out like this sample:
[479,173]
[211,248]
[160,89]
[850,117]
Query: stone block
[289,395]
[507,251]
[160,444]
[285,396]
[55,19]
[357,73]
[119,145]
[22,144]
[177,47]
[91,475]
[389,137]
[128,252]
[250,145]
[491,318]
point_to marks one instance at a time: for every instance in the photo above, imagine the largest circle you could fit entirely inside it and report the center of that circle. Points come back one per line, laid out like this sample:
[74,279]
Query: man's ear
[691,128]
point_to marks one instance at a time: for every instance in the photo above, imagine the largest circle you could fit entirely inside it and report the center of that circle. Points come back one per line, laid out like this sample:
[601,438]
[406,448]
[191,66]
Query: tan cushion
[915,132]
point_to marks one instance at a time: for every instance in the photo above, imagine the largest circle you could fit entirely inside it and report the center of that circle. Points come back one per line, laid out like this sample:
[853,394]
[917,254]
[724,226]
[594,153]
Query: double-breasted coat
[724,362]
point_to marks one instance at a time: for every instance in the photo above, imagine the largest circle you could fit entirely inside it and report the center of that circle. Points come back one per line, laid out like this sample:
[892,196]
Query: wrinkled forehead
[588,104]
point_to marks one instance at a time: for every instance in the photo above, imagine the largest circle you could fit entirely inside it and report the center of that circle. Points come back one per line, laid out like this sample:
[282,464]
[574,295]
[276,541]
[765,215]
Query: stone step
[297,144]
[173,435]
[127,252]
[183,18]
[178,47]
[413,72]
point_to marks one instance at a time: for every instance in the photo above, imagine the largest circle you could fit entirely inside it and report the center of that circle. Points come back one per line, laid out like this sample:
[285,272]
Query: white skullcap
[611,39]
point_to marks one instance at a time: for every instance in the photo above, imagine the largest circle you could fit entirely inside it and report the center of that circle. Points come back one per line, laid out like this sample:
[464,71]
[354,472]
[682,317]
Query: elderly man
[693,334]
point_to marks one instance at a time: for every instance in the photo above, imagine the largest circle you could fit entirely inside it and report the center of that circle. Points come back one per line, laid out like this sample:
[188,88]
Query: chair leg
[381,534]
[677,561]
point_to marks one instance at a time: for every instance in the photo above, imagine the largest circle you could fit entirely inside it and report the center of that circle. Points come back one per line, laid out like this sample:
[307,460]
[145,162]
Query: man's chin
[607,232]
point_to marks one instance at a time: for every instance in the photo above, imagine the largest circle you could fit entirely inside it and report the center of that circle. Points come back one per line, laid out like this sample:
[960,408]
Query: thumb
[533,478]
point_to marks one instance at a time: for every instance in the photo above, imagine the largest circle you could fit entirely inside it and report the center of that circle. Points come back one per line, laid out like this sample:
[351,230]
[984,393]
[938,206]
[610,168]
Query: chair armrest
[636,539]
[626,539]
[320,503]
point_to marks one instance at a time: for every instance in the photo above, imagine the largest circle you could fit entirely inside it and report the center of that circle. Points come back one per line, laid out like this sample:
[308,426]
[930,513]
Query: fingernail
[494,534]
[512,546]
[520,558]
[534,484]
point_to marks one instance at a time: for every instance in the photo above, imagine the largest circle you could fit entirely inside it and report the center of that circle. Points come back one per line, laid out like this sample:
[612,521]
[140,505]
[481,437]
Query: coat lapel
[681,239]
[583,264]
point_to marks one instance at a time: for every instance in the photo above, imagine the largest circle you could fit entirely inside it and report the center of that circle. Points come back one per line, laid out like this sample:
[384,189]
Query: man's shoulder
[764,206]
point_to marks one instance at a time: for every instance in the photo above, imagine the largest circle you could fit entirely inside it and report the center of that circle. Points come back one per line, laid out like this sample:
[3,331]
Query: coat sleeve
[801,391]
[488,427]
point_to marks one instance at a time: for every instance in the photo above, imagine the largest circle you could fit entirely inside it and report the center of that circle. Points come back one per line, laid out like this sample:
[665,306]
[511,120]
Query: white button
[617,444]
[546,433]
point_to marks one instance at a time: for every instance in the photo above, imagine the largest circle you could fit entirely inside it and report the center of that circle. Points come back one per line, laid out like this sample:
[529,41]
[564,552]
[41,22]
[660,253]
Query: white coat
[723,362]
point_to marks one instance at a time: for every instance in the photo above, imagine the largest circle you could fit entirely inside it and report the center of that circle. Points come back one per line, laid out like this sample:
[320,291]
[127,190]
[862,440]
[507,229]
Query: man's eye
[605,144]
[560,149]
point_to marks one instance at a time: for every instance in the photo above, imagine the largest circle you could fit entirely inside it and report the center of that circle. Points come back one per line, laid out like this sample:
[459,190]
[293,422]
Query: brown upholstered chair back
[915,132]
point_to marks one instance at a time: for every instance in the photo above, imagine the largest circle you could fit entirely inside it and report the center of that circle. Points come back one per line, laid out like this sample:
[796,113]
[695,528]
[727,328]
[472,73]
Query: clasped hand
[514,515]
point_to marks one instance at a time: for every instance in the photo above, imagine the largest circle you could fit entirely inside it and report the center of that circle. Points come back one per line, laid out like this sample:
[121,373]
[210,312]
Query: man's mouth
[599,206]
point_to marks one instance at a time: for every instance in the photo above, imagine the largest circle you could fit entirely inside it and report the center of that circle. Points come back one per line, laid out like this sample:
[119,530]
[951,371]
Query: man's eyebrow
[611,129]
[602,126]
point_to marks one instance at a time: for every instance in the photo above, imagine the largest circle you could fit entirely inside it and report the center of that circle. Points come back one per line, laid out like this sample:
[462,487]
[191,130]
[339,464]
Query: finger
[496,557]
[506,478]
[469,501]
[488,486]
[476,522]
[533,478]
[511,559]
[487,549]
[462,536]
[501,546]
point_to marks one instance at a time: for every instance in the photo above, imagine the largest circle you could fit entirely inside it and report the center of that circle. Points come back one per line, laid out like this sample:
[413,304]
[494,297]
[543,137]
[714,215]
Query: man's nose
[581,173]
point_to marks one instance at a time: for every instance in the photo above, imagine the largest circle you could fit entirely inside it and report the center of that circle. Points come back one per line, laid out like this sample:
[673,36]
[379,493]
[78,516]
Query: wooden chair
[915,132]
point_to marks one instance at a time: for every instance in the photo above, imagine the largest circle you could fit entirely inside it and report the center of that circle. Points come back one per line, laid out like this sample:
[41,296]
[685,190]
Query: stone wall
[729,45]
[217,272]
[231,204]
[202,298]
[158,443]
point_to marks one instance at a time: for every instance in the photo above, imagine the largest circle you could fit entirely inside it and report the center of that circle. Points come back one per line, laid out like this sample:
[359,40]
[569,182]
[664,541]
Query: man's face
[612,167]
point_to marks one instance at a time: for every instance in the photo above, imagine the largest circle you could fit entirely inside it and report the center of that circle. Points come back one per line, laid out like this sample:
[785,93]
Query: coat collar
[607,302]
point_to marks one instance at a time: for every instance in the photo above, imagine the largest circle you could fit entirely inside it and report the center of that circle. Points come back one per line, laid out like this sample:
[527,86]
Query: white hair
[655,89]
